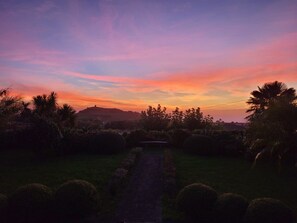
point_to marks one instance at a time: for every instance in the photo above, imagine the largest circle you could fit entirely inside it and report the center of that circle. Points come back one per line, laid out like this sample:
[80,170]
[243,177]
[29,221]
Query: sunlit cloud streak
[130,54]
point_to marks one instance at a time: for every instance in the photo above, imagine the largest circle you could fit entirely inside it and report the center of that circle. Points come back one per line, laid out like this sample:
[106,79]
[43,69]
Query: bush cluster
[97,143]
[200,203]
[199,145]
[35,203]
[178,137]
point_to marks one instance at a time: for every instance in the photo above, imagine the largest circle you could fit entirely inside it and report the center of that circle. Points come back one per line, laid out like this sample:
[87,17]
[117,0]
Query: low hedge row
[169,174]
[213,145]
[201,203]
[120,175]
[37,203]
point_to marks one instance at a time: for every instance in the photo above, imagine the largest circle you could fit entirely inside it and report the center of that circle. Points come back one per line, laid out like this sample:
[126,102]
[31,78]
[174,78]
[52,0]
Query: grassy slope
[19,167]
[235,175]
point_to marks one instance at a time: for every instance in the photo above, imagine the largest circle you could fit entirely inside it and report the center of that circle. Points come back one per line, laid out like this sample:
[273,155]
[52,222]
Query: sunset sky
[130,54]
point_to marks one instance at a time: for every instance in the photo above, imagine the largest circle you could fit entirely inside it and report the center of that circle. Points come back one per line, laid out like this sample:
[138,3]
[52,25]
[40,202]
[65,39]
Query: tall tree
[267,95]
[10,107]
[45,105]
[155,118]
[193,118]
[177,118]
[273,123]
[66,115]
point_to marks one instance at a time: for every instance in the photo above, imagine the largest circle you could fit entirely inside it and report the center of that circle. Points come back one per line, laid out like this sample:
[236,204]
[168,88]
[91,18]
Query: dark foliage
[196,201]
[30,203]
[76,199]
[230,208]
[178,137]
[268,210]
[3,208]
[199,145]
[229,143]
[135,137]
[98,143]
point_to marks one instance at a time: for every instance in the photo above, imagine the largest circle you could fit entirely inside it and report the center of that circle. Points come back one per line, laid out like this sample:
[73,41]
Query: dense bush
[229,143]
[3,208]
[76,199]
[230,208]
[178,137]
[99,143]
[196,201]
[135,137]
[30,203]
[268,210]
[199,145]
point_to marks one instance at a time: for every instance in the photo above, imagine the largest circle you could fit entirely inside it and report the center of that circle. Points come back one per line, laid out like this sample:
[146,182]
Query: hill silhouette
[107,114]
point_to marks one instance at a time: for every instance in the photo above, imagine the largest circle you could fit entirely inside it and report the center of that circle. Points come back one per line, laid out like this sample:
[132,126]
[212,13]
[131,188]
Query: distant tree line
[158,119]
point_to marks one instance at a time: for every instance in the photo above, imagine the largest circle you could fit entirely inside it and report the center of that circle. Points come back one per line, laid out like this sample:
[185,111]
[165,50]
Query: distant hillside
[107,114]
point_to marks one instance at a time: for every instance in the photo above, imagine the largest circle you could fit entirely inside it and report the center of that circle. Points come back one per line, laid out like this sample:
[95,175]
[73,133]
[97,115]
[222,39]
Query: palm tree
[66,115]
[10,107]
[45,105]
[268,94]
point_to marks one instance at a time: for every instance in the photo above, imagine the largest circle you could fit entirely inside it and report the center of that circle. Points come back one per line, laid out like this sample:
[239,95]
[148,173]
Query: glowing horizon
[131,54]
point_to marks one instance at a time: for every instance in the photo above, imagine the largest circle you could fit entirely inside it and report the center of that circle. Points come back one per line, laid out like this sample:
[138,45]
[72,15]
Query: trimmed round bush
[76,198]
[199,145]
[268,210]
[230,208]
[3,207]
[30,203]
[196,200]
[106,143]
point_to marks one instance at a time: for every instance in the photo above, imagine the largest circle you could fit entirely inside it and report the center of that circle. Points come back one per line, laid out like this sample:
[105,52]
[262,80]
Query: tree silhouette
[267,95]
[193,118]
[155,118]
[273,122]
[177,118]
[10,107]
[66,115]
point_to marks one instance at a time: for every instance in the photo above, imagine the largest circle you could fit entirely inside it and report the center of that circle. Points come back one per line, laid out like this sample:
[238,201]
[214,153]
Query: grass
[19,167]
[233,175]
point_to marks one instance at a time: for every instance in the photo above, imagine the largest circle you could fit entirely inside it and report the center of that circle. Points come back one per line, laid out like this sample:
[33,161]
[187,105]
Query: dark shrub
[229,143]
[30,203]
[196,201]
[268,210]
[199,145]
[106,143]
[3,208]
[135,137]
[230,208]
[76,199]
[178,137]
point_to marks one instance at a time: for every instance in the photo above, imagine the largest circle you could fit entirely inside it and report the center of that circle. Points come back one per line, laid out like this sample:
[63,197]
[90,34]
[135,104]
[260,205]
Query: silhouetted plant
[230,208]
[178,137]
[3,208]
[268,210]
[10,108]
[273,121]
[30,203]
[76,199]
[155,118]
[197,201]
[199,145]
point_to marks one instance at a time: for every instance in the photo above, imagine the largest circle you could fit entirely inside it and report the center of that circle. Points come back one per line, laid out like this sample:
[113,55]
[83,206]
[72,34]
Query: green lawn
[235,175]
[19,167]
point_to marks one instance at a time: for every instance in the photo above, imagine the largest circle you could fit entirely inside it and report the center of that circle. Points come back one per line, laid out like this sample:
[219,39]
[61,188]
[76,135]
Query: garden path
[141,201]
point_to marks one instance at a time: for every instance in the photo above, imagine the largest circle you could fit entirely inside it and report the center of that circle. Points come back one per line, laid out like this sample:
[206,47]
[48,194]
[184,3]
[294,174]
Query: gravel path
[141,201]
